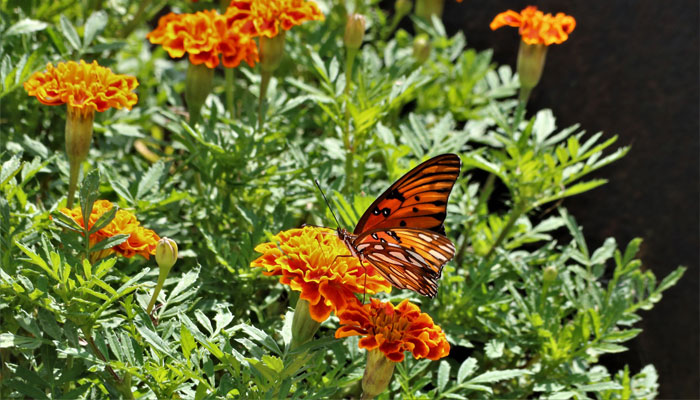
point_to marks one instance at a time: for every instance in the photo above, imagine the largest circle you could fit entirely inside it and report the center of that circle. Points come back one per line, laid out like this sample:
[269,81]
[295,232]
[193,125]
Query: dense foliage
[527,307]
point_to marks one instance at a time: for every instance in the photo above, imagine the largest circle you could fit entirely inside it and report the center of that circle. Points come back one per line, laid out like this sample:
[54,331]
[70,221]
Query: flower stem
[347,138]
[125,390]
[73,181]
[229,73]
[265,77]
[514,215]
[161,281]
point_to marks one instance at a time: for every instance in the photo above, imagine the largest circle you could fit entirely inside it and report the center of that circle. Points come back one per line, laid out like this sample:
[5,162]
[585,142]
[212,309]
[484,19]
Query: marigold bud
[378,372]
[354,31]
[403,7]
[421,48]
[166,253]
[549,274]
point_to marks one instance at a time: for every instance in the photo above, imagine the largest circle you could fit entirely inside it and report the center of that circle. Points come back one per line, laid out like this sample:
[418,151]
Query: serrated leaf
[443,375]
[600,386]
[70,33]
[466,369]
[26,25]
[186,341]
[104,219]
[495,376]
[150,179]
[94,25]
[494,349]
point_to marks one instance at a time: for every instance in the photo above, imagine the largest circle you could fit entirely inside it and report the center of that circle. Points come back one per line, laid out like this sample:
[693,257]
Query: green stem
[161,281]
[514,215]
[125,391]
[520,110]
[265,77]
[229,74]
[73,180]
[347,138]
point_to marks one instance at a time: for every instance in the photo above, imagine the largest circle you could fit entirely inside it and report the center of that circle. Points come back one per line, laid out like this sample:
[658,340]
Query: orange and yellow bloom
[394,330]
[316,263]
[141,241]
[86,87]
[537,27]
[265,18]
[207,37]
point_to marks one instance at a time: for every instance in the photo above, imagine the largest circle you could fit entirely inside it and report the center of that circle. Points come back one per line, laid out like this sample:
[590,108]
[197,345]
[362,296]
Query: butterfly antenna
[327,202]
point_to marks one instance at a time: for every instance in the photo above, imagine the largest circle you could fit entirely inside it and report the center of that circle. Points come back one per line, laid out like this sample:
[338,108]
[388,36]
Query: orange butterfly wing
[408,258]
[417,200]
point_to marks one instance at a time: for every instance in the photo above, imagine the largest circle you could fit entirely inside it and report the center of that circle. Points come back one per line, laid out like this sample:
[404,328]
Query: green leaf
[94,25]
[154,340]
[104,219]
[88,193]
[150,179]
[670,279]
[466,369]
[48,323]
[109,242]
[8,341]
[495,376]
[70,33]
[600,386]
[26,25]
[494,349]
[443,375]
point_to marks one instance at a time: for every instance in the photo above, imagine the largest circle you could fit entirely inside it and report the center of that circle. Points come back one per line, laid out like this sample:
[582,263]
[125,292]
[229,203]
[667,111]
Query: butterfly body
[402,234]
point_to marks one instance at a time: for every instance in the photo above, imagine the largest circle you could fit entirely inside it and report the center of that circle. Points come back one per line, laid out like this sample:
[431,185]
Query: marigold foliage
[205,36]
[265,18]
[141,241]
[315,262]
[394,330]
[537,27]
[88,87]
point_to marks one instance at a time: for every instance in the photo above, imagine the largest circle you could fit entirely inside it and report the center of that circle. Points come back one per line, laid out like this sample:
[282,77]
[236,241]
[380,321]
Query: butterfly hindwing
[417,200]
[407,257]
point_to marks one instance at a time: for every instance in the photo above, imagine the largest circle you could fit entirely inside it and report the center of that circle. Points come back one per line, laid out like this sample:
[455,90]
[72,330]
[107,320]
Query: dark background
[631,69]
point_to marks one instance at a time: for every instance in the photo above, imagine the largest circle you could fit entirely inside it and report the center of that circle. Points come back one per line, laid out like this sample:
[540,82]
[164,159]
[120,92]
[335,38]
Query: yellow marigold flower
[141,241]
[265,18]
[315,262]
[393,330]
[537,27]
[87,87]
[205,35]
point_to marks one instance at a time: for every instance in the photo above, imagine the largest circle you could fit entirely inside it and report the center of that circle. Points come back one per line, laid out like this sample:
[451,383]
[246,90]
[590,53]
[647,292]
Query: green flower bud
[166,253]
[403,7]
[531,58]
[549,274]
[421,48]
[354,31]
[427,8]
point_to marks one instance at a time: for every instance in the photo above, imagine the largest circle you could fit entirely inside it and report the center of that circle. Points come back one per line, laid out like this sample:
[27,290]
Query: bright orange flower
[264,18]
[87,87]
[204,36]
[394,330]
[537,27]
[316,263]
[141,241]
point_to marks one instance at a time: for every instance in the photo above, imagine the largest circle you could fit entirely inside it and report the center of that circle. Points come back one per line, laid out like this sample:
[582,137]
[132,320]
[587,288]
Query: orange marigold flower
[393,330]
[537,27]
[204,35]
[141,241]
[264,18]
[87,87]
[315,262]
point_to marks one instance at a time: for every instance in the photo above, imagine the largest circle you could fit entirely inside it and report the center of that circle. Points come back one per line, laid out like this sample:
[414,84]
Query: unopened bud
[427,8]
[403,7]
[421,48]
[166,254]
[549,274]
[354,31]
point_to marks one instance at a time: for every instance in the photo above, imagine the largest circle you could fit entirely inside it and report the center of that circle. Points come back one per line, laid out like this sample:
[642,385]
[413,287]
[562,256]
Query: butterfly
[402,233]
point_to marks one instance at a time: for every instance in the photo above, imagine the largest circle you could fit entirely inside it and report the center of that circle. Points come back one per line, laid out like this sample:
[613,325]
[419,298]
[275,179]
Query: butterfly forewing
[407,257]
[417,200]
